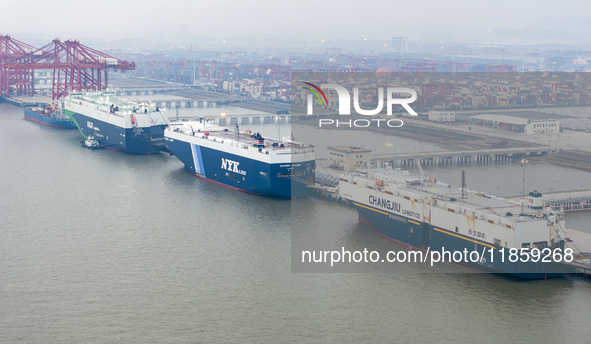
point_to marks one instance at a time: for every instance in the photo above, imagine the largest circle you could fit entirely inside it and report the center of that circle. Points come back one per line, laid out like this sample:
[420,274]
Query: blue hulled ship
[48,115]
[117,123]
[242,160]
[433,217]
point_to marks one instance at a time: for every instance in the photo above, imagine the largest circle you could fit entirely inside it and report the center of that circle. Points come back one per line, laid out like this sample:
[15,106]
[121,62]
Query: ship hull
[136,140]
[48,121]
[424,236]
[248,175]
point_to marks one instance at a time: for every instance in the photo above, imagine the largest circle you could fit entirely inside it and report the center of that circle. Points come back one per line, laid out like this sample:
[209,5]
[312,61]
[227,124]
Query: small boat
[91,143]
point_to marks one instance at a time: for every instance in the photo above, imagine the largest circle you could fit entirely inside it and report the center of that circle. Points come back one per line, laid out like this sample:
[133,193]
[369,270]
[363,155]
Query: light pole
[523,163]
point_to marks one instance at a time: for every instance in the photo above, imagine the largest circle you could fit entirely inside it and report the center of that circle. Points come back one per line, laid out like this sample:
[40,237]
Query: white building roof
[509,119]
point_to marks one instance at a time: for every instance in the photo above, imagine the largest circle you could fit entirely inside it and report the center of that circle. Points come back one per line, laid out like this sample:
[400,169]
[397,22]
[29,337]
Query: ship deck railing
[247,140]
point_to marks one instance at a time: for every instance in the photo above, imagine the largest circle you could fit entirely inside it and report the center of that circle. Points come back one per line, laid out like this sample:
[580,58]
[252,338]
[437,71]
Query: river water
[104,247]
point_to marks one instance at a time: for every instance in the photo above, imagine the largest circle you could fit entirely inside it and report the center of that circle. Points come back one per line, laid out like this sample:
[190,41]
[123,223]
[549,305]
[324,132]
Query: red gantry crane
[76,67]
[10,51]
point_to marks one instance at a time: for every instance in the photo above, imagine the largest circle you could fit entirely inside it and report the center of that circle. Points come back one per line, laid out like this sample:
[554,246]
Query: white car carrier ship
[427,214]
[117,123]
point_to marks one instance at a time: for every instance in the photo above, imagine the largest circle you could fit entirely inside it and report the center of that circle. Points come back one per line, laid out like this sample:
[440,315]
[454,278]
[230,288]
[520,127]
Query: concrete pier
[251,119]
[460,157]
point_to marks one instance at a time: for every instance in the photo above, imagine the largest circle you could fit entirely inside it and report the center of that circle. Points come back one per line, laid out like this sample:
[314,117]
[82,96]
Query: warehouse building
[517,124]
[442,116]
[347,158]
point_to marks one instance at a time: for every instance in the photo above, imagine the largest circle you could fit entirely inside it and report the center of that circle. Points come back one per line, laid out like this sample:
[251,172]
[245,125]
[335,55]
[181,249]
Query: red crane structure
[76,67]
[10,51]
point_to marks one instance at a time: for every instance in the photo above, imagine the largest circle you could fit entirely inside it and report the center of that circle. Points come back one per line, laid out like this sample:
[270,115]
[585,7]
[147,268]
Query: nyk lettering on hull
[392,206]
[232,166]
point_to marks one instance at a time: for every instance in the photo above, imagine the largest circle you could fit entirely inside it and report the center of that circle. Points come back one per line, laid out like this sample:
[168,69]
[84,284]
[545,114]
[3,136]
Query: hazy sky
[117,19]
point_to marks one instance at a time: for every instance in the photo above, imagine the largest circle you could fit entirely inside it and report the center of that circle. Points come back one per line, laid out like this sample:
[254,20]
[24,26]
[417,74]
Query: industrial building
[517,124]
[347,158]
[442,116]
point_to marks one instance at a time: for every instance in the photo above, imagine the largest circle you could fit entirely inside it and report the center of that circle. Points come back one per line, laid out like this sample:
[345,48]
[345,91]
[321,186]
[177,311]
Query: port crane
[76,67]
